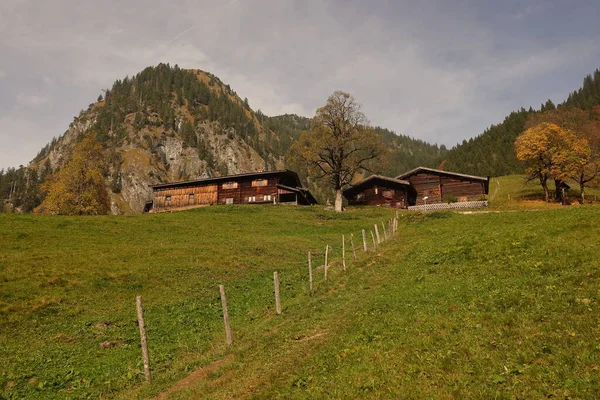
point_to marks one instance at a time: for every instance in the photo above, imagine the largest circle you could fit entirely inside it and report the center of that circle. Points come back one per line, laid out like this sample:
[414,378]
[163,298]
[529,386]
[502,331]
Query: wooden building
[252,188]
[379,190]
[436,186]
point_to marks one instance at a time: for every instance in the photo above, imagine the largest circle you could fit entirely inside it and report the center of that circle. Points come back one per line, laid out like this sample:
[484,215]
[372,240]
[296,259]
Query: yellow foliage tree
[551,152]
[79,188]
[584,125]
[339,143]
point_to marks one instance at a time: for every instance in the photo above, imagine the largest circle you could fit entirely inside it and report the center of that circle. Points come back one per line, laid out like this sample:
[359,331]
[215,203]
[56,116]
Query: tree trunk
[558,194]
[544,183]
[338,200]
[582,190]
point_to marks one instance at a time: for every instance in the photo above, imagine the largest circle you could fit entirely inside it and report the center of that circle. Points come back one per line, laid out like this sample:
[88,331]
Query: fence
[385,235]
[450,206]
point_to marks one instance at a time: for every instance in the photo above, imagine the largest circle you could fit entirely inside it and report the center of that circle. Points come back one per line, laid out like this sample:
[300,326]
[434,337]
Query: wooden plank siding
[251,188]
[436,184]
[380,196]
[380,191]
[245,190]
[427,186]
[180,197]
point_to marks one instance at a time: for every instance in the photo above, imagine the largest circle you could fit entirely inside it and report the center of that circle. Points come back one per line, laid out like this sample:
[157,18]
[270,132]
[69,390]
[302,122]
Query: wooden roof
[304,193]
[441,172]
[264,174]
[374,180]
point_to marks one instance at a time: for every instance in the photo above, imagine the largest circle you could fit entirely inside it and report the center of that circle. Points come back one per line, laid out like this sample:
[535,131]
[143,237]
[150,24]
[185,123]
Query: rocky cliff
[164,140]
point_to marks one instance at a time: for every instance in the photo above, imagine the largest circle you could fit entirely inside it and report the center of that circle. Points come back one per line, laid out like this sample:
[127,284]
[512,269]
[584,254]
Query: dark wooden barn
[273,187]
[437,186]
[379,190]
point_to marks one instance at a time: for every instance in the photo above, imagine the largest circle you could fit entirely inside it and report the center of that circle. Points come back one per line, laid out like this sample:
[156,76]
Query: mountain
[169,124]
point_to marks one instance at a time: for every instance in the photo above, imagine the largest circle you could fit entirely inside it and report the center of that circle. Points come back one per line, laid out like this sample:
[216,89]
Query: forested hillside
[168,124]
[492,152]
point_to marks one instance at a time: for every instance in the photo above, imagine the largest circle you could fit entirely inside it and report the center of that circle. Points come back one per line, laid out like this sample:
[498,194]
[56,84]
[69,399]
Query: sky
[441,70]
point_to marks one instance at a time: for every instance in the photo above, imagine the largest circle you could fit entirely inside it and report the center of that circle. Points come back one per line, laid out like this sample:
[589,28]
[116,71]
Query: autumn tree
[339,143]
[551,152]
[585,167]
[79,188]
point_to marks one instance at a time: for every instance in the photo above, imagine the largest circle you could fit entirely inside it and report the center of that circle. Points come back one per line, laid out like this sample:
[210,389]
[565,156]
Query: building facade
[271,187]
[382,191]
[437,186]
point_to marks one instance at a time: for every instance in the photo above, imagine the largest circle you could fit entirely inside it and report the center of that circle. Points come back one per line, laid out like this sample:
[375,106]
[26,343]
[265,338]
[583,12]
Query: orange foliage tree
[79,188]
[584,168]
[551,152]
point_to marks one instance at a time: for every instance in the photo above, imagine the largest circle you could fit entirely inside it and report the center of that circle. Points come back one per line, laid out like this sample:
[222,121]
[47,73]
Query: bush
[450,198]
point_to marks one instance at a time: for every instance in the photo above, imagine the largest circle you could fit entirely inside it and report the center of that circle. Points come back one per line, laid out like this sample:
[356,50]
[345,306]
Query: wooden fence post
[326,266]
[225,315]
[377,234]
[374,242]
[364,235]
[353,248]
[277,298]
[144,339]
[385,236]
[310,278]
[344,253]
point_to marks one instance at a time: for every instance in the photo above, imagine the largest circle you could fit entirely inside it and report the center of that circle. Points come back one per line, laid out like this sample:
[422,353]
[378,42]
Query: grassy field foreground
[498,305]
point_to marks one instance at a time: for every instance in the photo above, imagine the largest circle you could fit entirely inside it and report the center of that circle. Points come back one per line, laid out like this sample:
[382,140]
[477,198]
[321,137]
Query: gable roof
[441,172]
[373,179]
[264,174]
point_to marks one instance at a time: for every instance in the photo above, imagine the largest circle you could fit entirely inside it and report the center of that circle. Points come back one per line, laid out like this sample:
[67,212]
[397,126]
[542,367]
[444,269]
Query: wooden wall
[435,187]
[427,185]
[180,197]
[245,189]
[215,193]
[374,196]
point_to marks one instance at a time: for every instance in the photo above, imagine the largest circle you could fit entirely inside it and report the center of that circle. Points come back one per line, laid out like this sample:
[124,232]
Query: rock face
[149,154]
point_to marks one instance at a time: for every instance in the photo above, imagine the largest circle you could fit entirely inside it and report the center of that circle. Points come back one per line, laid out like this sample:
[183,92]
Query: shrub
[450,198]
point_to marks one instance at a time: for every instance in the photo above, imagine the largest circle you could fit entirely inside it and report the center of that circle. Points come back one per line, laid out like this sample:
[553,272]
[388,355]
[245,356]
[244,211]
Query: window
[267,197]
[168,198]
[388,194]
[260,182]
[360,196]
[230,185]
[376,190]
[251,199]
[191,196]
[229,200]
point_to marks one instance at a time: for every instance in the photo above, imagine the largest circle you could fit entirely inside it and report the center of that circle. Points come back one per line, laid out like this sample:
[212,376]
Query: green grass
[500,305]
[516,193]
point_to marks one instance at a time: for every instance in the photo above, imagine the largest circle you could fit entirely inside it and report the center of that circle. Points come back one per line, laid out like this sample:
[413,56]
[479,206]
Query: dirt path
[193,378]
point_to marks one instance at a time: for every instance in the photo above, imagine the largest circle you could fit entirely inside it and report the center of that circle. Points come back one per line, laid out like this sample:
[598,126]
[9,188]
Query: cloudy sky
[439,70]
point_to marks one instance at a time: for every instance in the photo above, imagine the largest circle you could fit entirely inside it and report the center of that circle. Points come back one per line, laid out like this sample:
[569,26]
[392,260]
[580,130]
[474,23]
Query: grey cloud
[434,70]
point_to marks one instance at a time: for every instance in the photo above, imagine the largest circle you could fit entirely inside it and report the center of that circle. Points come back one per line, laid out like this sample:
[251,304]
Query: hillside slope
[168,124]
[497,311]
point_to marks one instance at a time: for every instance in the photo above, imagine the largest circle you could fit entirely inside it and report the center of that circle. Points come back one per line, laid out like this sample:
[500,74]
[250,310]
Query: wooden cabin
[379,190]
[272,187]
[436,186]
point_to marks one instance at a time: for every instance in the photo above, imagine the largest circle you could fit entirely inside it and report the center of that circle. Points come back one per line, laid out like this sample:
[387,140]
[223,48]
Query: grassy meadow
[515,192]
[492,305]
